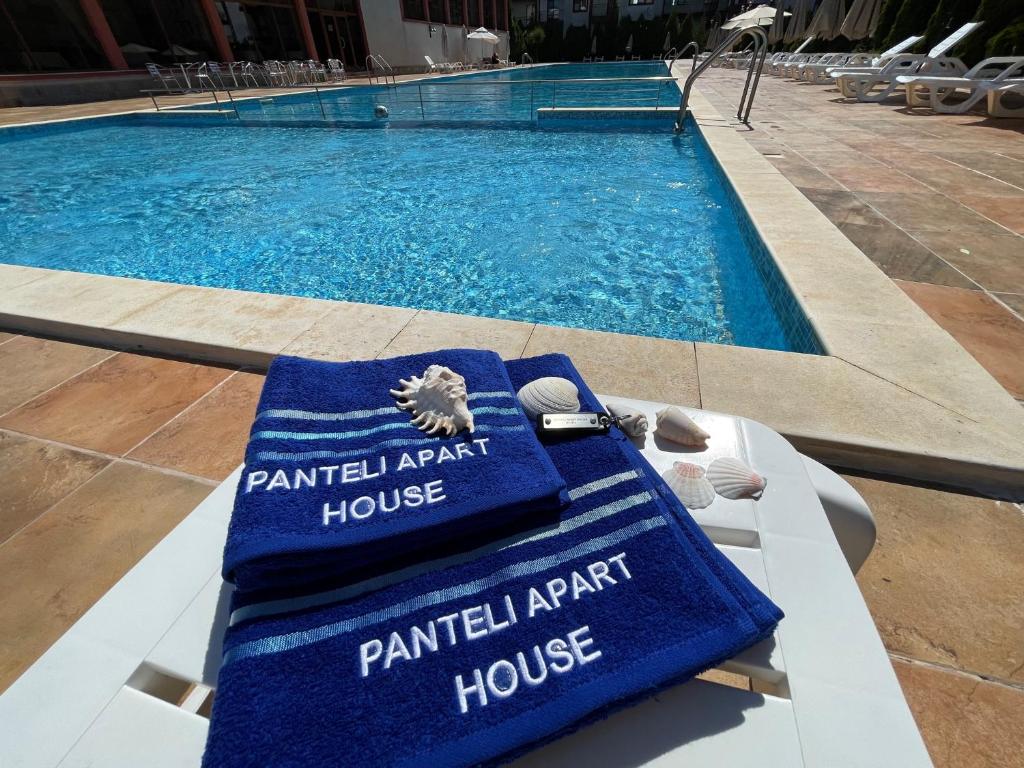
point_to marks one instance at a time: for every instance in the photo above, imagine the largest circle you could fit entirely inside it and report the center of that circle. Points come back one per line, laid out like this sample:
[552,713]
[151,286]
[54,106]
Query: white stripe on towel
[287,605]
[292,640]
[384,444]
[289,413]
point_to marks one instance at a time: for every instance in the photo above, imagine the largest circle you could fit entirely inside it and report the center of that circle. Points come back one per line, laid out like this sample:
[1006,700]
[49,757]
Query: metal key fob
[573,423]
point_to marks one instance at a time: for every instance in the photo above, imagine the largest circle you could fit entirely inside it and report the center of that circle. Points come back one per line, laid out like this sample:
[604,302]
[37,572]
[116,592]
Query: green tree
[998,15]
[948,16]
[911,19]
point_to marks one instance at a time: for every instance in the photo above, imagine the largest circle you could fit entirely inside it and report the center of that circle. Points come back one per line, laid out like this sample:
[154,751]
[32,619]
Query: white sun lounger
[999,100]
[128,685]
[877,61]
[817,72]
[941,93]
[861,85]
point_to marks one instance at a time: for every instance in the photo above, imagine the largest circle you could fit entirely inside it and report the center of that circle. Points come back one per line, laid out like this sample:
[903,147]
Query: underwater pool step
[606,113]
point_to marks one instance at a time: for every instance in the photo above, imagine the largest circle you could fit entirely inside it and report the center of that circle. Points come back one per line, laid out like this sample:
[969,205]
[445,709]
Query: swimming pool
[610,226]
[503,96]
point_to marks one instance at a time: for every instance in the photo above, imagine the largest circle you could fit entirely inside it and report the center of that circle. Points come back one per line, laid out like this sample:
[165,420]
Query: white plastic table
[128,684]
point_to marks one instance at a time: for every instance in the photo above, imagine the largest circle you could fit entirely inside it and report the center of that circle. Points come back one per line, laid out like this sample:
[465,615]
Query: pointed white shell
[438,400]
[550,394]
[734,479]
[676,426]
[689,484]
[630,421]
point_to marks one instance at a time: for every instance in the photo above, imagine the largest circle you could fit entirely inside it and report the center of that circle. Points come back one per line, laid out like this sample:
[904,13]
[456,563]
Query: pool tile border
[893,393]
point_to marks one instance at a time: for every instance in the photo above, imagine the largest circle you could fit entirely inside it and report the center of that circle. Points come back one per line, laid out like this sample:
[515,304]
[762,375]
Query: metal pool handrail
[374,60]
[679,54]
[760,51]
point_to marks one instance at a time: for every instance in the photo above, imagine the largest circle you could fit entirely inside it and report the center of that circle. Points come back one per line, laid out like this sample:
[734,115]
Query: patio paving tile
[992,335]
[112,407]
[616,364]
[209,438]
[996,262]
[900,256]
[1014,301]
[5,337]
[943,581]
[36,476]
[966,722]
[430,330]
[843,207]
[802,174]
[30,366]
[875,179]
[1008,211]
[57,567]
[928,213]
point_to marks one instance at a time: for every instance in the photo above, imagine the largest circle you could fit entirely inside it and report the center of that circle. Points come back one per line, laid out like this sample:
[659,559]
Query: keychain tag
[573,423]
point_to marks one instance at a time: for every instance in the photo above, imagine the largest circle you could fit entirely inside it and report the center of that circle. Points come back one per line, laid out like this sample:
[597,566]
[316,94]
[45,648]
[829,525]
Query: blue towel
[338,481]
[479,656]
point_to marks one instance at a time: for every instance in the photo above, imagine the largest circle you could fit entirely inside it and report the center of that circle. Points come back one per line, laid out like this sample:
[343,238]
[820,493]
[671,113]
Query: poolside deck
[105,450]
[936,201]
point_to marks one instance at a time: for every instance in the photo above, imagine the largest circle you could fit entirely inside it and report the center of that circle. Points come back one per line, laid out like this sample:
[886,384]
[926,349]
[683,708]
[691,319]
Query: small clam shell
[676,426]
[550,394]
[688,482]
[735,480]
[630,421]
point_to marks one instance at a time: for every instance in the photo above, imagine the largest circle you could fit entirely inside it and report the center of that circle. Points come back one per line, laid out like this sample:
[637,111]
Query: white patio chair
[276,72]
[862,85]
[127,685]
[317,71]
[431,66]
[335,71]
[940,94]
[166,76]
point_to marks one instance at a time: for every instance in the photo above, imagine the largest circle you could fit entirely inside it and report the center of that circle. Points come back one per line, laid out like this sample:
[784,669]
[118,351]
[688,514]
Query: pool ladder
[377,69]
[757,58]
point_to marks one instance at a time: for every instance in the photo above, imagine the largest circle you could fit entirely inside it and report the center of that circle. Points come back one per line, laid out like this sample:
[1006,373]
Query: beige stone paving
[934,199]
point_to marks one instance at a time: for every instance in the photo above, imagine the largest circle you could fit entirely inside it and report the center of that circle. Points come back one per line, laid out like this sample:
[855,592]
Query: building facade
[41,37]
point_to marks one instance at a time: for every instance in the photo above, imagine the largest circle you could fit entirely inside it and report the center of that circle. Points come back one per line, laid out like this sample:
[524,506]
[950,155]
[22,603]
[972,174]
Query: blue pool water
[609,226]
[508,95]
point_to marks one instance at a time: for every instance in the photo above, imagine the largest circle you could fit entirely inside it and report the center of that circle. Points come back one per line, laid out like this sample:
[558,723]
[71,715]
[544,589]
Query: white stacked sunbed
[861,83]
[992,77]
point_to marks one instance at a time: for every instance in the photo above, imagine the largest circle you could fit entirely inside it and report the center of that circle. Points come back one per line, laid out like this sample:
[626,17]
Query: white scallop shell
[689,483]
[438,400]
[550,394]
[734,479]
[630,421]
[676,426]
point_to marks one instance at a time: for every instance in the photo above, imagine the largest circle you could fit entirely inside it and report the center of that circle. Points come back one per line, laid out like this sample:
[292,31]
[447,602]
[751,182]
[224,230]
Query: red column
[307,32]
[217,31]
[101,31]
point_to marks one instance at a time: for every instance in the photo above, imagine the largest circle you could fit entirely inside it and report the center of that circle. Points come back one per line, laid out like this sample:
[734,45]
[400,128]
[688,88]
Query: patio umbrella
[712,41]
[778,28]
[667,45]
[629,44]
[828,19]
[797,26]
[862,19]
[179,50]
[593,46]
[136,48]
[761,16]
[444,42]
[485,37]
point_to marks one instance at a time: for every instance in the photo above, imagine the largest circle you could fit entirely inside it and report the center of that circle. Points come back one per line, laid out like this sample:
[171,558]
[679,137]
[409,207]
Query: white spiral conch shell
[630,421]
[676,426]
[438,400]
[550,394]
[688,482]
[735,480]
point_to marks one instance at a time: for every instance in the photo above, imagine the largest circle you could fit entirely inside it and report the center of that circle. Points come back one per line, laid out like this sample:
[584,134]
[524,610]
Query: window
[553,9]
[489,14]
[163,31]
[413,9]
[46,35]
[641,2]
[472,14]
[455,12]
[580,5]
[435,10]
[259,30]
